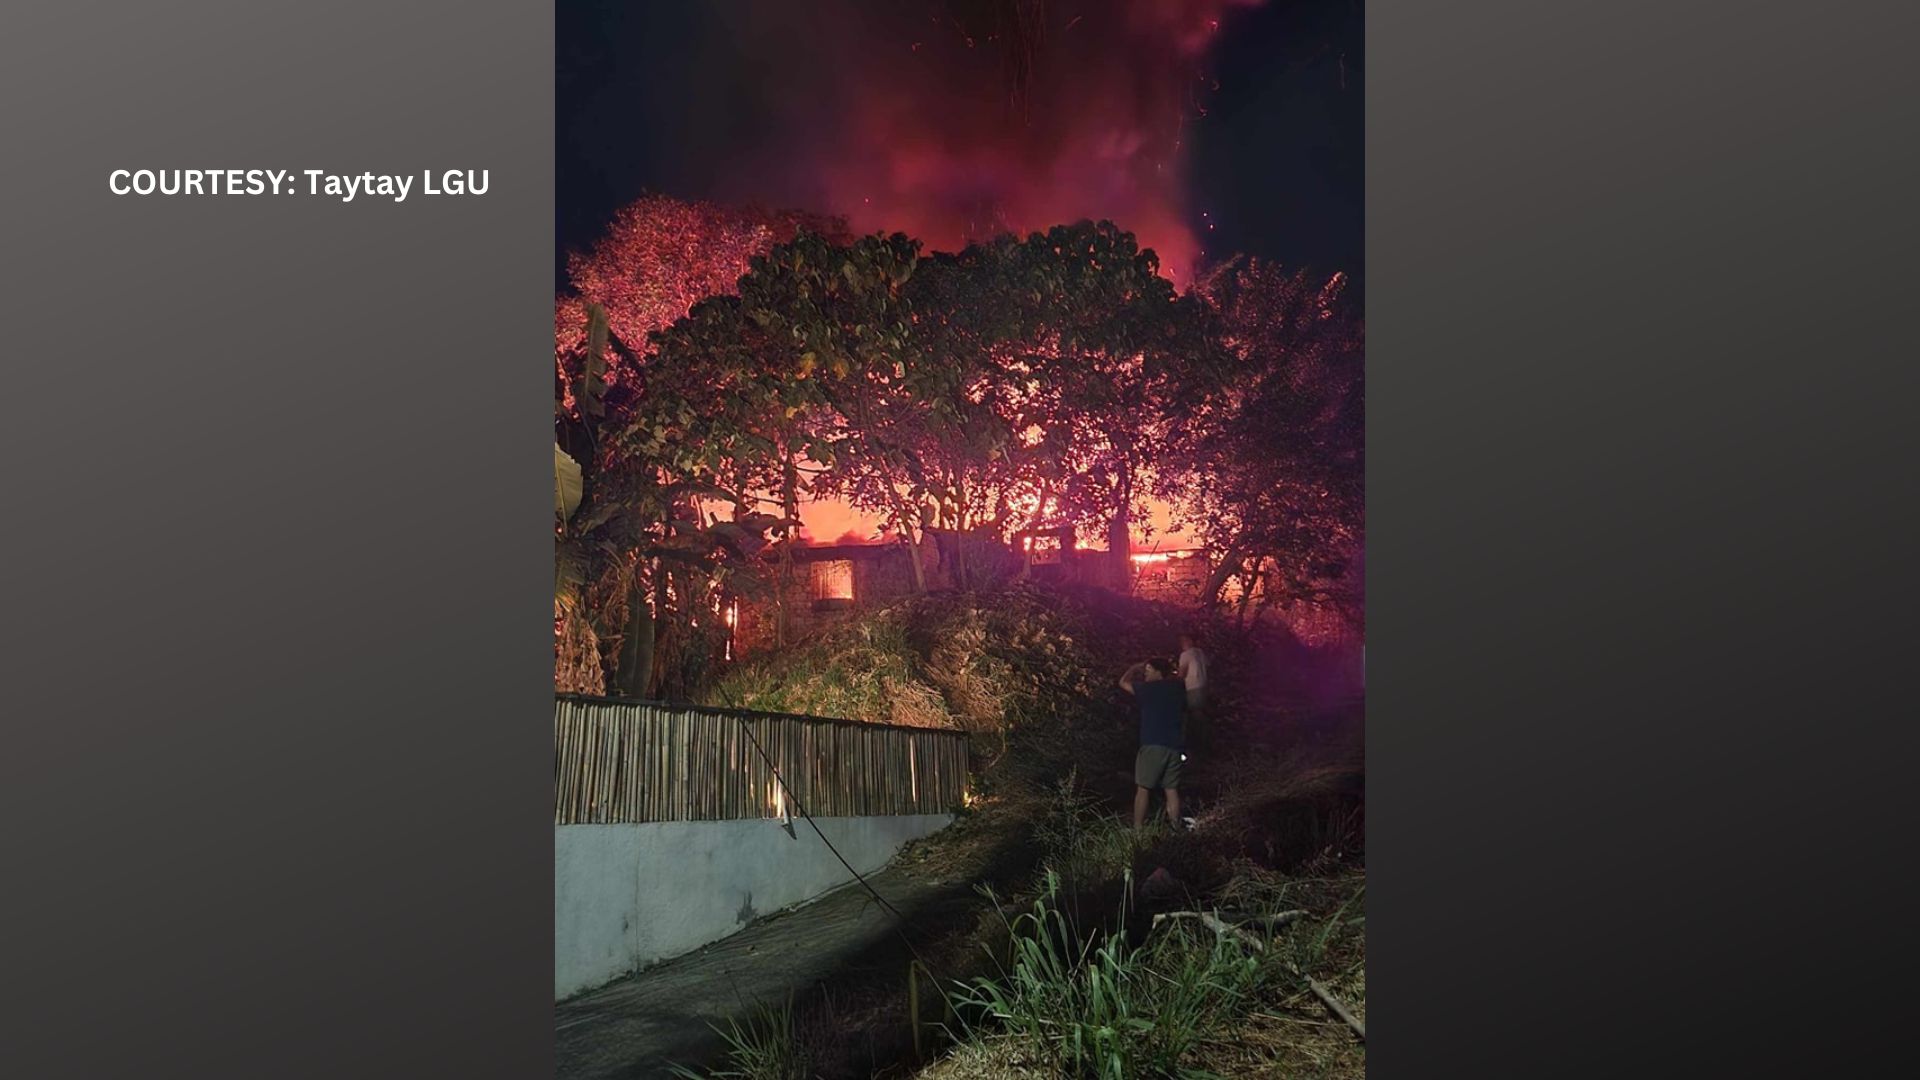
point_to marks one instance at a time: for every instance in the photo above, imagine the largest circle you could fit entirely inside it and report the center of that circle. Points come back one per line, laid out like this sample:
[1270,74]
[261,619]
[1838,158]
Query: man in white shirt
[1193,671]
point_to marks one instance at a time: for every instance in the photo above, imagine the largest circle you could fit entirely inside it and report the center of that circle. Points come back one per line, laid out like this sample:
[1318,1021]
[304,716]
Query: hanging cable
[900,920]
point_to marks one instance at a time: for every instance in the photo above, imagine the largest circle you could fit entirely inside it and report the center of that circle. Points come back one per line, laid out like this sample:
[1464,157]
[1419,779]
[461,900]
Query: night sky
[686,99]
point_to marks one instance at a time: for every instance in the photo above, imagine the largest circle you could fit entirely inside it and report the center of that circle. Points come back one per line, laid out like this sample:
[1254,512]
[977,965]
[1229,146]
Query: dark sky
[646,102]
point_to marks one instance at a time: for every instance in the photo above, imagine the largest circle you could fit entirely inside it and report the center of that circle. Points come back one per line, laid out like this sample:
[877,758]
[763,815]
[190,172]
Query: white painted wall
[627,895]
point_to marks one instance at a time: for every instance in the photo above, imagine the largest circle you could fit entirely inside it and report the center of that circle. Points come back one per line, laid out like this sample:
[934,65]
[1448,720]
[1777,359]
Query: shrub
[986,663]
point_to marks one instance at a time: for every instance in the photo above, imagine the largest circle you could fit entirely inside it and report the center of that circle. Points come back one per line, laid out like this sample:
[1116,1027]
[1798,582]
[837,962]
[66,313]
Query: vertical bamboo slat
[618,761]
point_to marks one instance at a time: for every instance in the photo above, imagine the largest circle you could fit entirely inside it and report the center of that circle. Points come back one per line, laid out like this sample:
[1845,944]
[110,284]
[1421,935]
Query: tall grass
[763,1047]
[1083,840]
[1093,1006]
[1313,947]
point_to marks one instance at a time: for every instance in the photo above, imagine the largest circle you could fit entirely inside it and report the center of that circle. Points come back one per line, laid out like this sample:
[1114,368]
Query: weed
[1093,1006]
[1084,842]
[1311,946]
[764,1047]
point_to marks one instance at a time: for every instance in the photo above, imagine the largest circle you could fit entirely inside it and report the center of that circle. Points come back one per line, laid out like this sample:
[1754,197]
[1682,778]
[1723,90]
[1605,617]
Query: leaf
[567,484]
[591,390]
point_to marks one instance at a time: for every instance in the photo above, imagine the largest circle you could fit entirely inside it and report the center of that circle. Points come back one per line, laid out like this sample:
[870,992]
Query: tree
[658,258]
[640,548]
[836,322]
[1112,361]
[1022,382]
[1278,462]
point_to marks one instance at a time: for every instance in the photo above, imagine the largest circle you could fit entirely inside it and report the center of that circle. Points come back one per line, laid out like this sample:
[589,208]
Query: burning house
[1172,577]
[827,582]
[823,584]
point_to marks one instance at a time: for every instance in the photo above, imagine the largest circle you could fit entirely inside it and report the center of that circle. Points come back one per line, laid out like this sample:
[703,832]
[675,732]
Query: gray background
[277,776]
[1640,495]
[275,787]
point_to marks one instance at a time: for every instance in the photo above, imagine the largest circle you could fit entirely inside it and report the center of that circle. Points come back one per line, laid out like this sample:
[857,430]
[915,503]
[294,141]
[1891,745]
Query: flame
[833,579]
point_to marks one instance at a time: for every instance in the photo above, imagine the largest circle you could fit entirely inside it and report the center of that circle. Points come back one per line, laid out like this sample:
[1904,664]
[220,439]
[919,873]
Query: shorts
[1157,767]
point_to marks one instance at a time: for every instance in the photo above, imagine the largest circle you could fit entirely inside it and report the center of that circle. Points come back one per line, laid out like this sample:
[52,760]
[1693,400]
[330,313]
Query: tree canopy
[753,363]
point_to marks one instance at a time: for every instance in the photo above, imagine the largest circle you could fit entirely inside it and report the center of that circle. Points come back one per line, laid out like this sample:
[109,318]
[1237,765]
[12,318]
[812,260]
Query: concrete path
[642,1024]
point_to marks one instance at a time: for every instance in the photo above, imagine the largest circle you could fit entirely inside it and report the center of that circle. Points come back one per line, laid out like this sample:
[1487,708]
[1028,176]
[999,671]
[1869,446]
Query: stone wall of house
[879,575]
[1176,580]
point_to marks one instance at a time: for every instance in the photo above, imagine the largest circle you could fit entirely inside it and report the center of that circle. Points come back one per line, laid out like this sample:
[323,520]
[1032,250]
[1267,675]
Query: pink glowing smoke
[955,121]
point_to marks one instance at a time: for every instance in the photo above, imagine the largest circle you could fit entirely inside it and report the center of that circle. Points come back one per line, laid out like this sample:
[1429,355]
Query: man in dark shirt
[1162,699]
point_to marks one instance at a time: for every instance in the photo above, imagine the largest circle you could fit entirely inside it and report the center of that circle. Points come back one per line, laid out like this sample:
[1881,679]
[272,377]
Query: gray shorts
[1157,767]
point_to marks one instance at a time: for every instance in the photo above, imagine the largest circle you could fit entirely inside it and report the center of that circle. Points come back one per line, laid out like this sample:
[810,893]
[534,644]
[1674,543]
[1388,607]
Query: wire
[901,920]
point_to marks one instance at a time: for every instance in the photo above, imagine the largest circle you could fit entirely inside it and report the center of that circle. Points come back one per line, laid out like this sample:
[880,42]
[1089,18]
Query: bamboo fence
[635,761]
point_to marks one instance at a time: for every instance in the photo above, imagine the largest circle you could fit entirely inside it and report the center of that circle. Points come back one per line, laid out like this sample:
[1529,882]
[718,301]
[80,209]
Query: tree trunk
[1253,582]
[1120,546]
[636,648]
[913,538]
[663,637]
[899,501]
[790,510]
[1120,531]
[1229,563]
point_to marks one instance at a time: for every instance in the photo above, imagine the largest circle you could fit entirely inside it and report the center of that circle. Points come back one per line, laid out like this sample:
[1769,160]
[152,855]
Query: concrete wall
[625,896]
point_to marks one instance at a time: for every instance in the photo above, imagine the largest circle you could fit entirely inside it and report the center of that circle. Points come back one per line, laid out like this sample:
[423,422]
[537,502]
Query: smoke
[953,121]
[948,120]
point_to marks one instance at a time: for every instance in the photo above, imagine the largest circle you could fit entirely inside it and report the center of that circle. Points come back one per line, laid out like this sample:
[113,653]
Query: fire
[951,125]
[833,580]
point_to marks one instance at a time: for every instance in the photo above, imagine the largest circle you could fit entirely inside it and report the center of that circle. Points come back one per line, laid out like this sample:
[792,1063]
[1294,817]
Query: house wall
[881,575]
[1178,580]
[625,896]
[884,573]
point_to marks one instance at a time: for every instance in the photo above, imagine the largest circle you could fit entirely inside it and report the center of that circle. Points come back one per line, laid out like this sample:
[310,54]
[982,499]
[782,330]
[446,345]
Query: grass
[764,1047]
[1094,1006]
[864,671]
[1083,841]
[1027,672]
[1069,1000]
[984,664]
